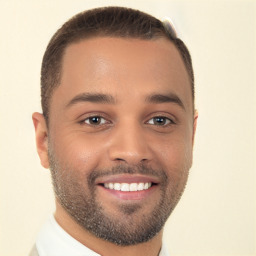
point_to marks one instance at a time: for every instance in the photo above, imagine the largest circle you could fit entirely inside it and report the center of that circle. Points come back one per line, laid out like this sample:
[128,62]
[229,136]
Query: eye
[95,120]
[160,121]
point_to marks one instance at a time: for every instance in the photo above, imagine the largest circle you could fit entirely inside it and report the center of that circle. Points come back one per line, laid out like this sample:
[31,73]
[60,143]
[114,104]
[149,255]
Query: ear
[41,133]
[194,125]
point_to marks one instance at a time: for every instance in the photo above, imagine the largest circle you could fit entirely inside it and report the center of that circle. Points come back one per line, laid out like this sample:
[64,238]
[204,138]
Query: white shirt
[55,241]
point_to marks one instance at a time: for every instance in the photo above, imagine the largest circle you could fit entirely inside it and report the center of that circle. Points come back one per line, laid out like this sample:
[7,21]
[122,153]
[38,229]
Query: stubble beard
[133,227]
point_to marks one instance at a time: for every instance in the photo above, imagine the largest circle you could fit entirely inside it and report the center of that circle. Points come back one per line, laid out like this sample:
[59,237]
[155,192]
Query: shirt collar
[55,241]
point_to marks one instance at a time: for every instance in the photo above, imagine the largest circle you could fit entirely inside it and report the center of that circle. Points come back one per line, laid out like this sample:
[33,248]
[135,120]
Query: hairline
[113,36]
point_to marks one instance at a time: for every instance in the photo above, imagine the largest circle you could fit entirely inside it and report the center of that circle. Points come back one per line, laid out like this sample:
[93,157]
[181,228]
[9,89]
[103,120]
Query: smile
[132,187]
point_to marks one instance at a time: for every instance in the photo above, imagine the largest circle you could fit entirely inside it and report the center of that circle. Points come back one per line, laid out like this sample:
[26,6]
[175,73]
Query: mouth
[129,187]
[126,187]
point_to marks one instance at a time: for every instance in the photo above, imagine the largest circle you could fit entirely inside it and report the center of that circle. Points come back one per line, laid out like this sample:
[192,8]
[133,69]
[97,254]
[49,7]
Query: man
[117,132]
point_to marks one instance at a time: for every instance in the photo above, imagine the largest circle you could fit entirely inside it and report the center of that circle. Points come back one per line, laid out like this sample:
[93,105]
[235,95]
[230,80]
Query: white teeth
[128,187]
[133,187]
[140,186]
[125,187]
[117,186]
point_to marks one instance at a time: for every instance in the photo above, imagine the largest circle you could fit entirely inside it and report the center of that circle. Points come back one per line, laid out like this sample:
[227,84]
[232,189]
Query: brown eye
[95,120]
[160,121]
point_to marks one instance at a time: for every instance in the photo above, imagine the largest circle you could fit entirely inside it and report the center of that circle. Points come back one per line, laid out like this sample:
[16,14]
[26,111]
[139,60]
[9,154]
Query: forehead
[123,68]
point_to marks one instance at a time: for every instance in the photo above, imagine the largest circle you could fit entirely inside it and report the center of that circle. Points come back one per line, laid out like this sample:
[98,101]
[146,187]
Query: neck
[102,247]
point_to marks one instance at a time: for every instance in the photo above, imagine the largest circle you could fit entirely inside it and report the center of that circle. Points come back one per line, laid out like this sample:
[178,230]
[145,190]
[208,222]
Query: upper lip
[127,178]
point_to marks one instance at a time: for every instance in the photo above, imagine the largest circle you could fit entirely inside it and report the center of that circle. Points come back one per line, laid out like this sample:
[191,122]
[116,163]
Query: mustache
[126,169]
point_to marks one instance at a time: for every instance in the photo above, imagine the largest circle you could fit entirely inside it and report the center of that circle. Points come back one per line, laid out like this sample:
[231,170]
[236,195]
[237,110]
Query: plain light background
[216,215]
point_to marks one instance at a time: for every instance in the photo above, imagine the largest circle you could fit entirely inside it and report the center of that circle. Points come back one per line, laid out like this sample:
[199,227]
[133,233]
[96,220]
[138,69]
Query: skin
[129,70]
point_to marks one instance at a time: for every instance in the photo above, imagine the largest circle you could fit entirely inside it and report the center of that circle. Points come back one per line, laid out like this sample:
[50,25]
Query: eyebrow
[165,98]
[92,97]
[109,99]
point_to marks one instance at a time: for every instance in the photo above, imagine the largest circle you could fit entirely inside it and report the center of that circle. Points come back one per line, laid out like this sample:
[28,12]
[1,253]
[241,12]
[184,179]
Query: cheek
[174,152]
[177,159]
[77,152]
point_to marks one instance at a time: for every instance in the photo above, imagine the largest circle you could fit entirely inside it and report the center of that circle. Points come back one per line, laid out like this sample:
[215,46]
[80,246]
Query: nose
[129,145]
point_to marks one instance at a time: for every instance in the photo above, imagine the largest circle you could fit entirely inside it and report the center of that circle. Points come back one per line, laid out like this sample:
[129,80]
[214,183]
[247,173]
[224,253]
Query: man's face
[121,136]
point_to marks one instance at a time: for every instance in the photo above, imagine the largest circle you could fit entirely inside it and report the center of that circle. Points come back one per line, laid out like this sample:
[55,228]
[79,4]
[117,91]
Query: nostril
[120,159]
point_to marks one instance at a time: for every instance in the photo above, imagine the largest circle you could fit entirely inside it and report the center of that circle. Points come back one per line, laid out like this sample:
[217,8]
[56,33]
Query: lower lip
[134,195]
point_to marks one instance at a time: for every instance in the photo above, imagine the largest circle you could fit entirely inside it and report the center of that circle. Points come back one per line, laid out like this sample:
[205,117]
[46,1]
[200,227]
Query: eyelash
[94,117]
[152,121]
[163,118]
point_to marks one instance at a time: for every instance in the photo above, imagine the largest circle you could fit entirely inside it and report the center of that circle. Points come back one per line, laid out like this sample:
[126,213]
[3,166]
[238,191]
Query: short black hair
[106,21]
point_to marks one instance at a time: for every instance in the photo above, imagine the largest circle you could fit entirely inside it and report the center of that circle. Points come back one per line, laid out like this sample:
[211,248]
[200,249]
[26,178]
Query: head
[118,122]
[103,22]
